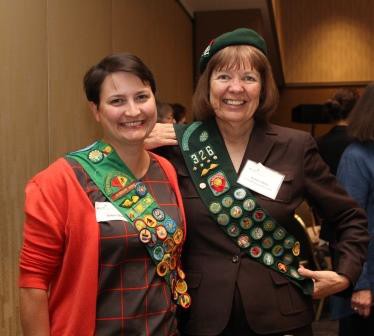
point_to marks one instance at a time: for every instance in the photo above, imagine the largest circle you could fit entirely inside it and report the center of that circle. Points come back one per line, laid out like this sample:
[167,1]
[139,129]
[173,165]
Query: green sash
[233,206]
[160,234]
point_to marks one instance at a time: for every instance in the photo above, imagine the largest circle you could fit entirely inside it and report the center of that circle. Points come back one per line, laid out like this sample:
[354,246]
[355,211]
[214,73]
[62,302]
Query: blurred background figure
[332,144]
[165,113]
[179,112]
[356,173]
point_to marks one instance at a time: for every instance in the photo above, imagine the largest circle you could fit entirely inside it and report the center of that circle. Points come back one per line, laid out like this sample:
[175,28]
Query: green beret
[240,36]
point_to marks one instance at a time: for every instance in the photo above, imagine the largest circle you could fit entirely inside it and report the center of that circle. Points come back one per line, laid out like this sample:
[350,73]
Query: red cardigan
[60,249]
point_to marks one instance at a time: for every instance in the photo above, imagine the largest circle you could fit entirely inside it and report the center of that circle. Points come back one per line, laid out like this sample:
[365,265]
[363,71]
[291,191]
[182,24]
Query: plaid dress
[132,299]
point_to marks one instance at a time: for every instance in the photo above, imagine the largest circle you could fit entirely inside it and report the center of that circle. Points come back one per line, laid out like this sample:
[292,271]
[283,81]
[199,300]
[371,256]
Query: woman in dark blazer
[241,179]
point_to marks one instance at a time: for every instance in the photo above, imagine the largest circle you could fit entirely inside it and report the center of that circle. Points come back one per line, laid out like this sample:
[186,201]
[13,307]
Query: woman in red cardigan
[104,225]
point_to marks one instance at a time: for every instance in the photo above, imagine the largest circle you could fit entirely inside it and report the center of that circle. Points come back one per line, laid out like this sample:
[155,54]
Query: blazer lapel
[260,144]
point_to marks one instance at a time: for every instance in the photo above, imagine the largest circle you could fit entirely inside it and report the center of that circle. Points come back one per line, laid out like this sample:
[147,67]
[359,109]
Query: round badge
[178,236]
[259,215]
[233,230]
[150,221]
[166,257]
[161,232]
[140,189]
[282,267]
[268,259]
[279,233]
[139,224]
[184,300]
[268,225]
[236,211]
[257,233]
[296,249]
[153,240]
[202,185]
[173,262]
[158,214]
[227,201]
[162,268]
[249,204]
[145,236]
[95,156]
[255,251]
[289,242]
[215,207]
[223,219]
[267,242]
[288,259]
[246,223]
[181,274]
[158,253]
[181,286]
[203,136]
[170,225]
[240,193]
[244,241]
[277,250]
[168,245]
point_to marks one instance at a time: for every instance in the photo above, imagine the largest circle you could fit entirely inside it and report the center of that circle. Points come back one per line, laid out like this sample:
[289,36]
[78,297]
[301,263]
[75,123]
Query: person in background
[332,144]
[104,225]
[356,173]
[179,112]
[165,113]
[242,178]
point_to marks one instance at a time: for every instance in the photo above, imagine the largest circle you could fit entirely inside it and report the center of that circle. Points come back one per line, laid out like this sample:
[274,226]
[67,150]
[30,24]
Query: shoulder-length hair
[361,119]
[236,57]
[125,62]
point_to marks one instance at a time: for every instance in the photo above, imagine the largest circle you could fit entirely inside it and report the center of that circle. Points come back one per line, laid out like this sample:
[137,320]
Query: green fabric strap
[233,206]
[160,234]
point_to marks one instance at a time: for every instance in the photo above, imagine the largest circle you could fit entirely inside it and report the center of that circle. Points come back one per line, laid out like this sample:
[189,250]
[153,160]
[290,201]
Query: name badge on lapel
[106,211]
[261,179]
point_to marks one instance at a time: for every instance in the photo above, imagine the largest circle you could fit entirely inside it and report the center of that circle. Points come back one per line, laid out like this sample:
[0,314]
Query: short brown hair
[125,62]
[235,57]
[361,119]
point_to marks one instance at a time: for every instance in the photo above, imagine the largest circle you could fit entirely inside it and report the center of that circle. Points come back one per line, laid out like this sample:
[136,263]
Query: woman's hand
[361,302]
[161,135]
[325,282]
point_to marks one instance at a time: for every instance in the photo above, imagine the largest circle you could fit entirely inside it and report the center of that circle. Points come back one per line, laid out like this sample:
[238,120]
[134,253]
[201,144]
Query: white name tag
[261,179]
[106,211]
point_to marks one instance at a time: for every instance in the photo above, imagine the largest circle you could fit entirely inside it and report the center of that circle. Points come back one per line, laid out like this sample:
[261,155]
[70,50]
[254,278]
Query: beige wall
[330,41]
[46,46]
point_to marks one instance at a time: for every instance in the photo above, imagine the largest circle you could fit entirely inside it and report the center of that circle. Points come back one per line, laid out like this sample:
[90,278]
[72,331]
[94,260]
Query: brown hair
[236,57]
[361,119]
[125,62]
[342,103]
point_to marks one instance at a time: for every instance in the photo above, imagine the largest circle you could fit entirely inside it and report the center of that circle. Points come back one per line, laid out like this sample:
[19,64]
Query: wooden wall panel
[23,134]
[79,35]
[160,33]
[329,41]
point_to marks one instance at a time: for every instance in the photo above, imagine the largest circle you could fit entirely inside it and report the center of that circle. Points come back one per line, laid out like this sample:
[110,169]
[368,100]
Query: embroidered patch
[95,156]
[218,183]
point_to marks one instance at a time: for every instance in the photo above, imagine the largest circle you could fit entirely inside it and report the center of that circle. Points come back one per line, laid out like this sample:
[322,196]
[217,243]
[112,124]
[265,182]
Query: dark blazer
[215,265]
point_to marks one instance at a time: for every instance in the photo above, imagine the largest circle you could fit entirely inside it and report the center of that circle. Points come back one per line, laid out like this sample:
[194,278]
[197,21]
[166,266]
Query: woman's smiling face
[235,93]
[127,109]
